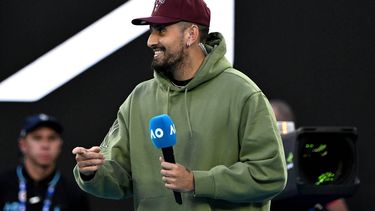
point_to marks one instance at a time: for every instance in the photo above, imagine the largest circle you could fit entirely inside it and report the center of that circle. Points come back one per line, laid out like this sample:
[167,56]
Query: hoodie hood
[214,64]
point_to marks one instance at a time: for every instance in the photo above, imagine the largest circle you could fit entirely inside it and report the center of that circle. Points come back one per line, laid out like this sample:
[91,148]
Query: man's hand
[176,176]
[88,160]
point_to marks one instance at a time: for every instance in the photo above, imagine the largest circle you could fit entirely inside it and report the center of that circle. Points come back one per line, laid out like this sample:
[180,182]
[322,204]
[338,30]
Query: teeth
[157,53]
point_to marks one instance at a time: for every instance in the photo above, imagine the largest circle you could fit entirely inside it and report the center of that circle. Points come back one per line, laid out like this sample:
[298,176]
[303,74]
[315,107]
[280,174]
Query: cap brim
[154,20]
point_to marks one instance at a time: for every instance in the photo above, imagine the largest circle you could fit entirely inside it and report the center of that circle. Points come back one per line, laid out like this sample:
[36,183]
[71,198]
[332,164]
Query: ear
[22,145]
[193,35]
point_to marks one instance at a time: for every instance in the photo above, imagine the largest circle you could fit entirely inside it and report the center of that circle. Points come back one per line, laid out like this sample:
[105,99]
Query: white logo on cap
[157,4]
[43,117]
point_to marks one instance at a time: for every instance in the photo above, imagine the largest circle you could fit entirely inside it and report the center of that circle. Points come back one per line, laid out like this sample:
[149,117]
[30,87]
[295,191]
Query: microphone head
[162,131]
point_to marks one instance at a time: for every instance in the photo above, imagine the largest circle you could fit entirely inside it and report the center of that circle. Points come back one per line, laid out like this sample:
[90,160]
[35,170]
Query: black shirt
[67,195]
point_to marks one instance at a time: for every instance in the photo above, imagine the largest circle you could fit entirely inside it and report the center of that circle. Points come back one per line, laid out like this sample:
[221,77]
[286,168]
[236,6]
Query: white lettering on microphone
[157,134]
[172,130]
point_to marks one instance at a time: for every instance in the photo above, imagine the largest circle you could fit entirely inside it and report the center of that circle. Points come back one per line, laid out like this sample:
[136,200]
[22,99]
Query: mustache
[158,47]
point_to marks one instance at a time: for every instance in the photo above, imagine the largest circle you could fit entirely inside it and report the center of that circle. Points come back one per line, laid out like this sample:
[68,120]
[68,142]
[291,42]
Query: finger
[89,167]
[92,162]
[88,170]
[168,166]
[167,173]
[79,150]
[89,156]
[168,180]
[171,186]
[94,149]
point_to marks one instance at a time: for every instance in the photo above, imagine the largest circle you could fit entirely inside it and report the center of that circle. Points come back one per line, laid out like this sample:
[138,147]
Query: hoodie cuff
[82,179]
[204,184]
[87,178]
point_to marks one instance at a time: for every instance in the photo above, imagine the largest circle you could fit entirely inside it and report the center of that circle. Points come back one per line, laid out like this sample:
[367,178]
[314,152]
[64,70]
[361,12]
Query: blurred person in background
[36,183]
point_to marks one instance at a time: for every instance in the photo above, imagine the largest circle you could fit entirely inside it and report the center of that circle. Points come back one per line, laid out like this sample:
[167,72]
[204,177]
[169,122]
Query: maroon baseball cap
[173,11]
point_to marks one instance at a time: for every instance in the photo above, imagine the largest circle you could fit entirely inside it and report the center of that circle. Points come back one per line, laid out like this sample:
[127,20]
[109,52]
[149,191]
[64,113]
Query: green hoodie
[226,135]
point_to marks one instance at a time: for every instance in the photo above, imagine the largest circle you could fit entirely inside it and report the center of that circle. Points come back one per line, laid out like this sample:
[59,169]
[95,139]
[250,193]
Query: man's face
[41,146]
[168,44]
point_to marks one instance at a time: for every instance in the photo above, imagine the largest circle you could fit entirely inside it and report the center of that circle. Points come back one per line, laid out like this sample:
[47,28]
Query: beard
[171,62]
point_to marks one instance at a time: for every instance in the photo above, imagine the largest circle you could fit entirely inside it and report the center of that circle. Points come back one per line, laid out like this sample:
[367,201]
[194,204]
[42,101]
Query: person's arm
[112,179]
[260,173]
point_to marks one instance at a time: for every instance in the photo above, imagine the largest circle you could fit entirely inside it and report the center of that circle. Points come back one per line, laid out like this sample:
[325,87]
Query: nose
[153,39]
[45,144]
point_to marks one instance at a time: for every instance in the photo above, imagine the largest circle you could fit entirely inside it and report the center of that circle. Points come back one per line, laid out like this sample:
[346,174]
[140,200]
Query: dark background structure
[317,55]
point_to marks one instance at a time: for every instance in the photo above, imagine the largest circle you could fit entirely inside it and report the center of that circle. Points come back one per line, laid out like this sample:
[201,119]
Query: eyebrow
[158,27]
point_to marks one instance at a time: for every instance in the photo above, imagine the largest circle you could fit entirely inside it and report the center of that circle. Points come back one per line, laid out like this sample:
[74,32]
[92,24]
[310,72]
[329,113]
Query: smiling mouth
[158,53]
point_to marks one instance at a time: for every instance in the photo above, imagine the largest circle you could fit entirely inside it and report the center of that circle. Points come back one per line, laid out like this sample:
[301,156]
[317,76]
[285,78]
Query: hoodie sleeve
[113,179]
[260,173]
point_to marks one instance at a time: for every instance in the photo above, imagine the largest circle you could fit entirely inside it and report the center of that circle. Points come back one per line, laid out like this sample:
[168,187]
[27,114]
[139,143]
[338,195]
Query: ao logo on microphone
[159,133]
[162,131]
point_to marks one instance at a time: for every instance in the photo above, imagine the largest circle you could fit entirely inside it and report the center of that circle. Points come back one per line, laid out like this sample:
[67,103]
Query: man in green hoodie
[229,154]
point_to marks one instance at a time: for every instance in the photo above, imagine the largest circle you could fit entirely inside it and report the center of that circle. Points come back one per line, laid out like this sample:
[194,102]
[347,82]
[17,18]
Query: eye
[162,29]
[159,28]
[36,137]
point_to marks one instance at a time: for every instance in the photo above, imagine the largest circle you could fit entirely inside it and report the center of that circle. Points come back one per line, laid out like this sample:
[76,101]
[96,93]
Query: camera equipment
[322,166]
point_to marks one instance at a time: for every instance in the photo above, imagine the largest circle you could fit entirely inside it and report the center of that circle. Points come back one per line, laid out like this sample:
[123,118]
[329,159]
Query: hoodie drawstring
[186,110]
[188,115]
[167,111]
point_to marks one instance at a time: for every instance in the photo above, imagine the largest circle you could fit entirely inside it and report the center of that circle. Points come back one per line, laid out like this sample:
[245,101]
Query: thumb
[79,150]
[94,149]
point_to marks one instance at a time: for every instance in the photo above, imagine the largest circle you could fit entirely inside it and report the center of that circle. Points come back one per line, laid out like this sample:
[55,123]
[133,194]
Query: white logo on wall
[94,43]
